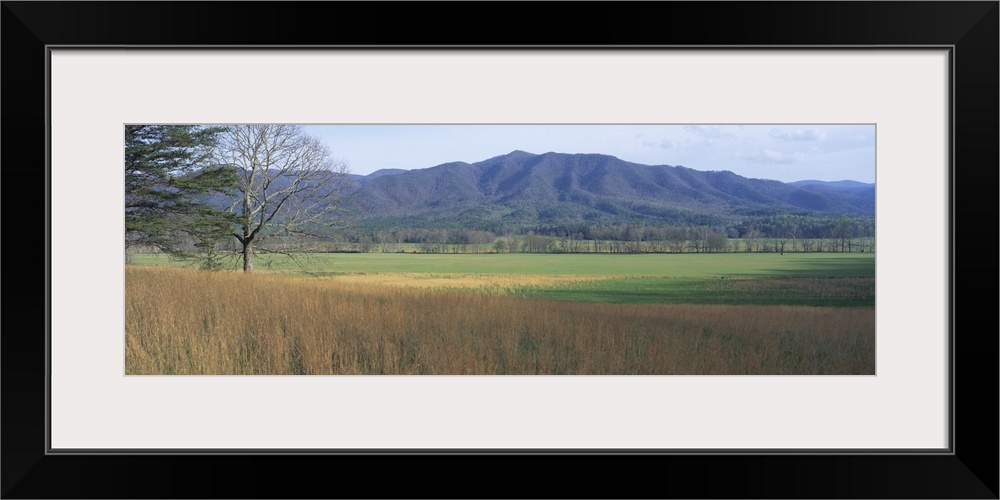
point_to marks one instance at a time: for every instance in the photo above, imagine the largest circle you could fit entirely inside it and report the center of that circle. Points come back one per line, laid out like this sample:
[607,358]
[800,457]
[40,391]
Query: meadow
[819,279]
[515,314]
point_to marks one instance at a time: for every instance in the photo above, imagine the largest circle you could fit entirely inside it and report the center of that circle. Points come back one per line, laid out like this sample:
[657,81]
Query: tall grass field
[358,314]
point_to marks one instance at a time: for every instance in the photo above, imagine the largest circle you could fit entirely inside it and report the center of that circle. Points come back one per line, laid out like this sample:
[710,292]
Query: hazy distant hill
[833,184]
[555,188]
[365,179]
[861,194]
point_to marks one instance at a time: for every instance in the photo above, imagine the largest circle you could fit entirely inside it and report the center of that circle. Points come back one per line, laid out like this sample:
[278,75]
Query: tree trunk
[247,257]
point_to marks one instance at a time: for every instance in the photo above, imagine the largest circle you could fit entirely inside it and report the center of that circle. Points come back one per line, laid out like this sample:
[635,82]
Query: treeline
[782,233]
[777,234]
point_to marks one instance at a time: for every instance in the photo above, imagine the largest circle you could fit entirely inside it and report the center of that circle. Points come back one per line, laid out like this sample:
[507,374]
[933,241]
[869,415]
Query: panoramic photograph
[419,249]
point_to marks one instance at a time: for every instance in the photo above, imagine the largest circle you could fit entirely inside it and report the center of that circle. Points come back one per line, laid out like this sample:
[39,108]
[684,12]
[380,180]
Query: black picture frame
[969,470]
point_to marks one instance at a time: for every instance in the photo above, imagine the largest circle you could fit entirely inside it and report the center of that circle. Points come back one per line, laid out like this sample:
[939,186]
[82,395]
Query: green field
[817,279]
[685,264]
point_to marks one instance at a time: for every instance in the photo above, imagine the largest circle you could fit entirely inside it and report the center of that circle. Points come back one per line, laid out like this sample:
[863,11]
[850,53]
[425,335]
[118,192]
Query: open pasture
[818,279]
[687,264]
[183,321]
[494,314]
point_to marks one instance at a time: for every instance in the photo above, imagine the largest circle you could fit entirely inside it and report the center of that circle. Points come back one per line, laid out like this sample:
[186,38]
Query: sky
[780,152]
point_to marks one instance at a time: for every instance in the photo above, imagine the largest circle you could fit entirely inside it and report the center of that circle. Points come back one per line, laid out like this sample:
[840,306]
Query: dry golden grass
[182,321]
[490,283]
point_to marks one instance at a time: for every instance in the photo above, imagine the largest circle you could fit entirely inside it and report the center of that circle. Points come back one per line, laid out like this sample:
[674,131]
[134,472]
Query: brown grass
[490,283]
[181,321]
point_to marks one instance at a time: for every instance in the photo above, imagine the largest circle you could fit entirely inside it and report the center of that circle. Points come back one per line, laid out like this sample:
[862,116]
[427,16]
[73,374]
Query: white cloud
[711,131]
[770,156]
[663,143]
[808,134]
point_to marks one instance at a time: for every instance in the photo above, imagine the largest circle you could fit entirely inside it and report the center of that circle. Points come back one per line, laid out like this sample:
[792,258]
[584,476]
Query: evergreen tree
[169,177]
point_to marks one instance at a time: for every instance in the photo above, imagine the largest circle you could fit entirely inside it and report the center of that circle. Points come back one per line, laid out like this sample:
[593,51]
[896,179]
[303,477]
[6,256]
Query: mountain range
[521,188]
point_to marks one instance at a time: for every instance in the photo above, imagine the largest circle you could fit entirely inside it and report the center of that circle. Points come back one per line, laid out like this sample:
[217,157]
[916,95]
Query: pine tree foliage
[169,173]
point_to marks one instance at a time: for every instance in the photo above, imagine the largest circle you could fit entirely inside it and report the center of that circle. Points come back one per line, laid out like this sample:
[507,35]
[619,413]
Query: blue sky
[781,152]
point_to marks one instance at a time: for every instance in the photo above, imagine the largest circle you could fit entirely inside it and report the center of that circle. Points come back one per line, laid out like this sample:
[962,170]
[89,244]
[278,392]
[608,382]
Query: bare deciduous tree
[289,185]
